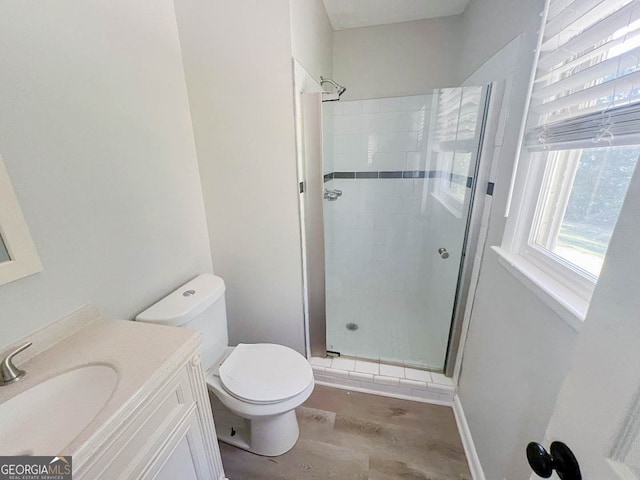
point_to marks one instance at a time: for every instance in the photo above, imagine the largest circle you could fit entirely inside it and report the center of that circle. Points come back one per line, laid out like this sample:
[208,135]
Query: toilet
[254,388]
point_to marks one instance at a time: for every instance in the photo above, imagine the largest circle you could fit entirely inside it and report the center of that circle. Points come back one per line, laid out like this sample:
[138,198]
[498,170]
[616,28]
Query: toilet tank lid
[186,302]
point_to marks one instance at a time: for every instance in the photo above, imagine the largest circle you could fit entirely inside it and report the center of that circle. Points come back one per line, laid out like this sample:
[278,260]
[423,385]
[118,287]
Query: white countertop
[142,354]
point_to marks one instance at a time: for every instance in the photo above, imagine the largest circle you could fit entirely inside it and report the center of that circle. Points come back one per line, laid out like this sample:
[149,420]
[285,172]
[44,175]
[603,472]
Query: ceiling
[363,13]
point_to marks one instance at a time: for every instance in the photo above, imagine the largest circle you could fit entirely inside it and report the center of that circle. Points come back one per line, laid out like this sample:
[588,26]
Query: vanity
[126,400]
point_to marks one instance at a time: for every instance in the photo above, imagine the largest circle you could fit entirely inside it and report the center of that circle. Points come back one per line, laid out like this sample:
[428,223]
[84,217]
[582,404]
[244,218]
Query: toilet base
[269,436]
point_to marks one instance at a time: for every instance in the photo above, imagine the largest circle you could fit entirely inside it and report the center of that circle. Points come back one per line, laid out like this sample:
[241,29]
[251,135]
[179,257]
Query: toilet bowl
[254,388]
[260,385]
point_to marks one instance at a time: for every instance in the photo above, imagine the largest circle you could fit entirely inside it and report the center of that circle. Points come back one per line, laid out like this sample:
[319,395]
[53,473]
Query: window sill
[563,301]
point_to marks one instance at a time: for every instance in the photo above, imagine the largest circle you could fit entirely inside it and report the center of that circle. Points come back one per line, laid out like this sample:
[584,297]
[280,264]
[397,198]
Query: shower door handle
[443,253]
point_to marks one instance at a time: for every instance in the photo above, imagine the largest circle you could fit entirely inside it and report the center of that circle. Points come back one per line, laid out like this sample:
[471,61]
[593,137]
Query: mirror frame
[23,258]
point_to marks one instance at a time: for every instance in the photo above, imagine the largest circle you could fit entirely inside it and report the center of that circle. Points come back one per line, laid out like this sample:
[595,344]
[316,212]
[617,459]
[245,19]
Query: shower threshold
[383,378]
[380,361]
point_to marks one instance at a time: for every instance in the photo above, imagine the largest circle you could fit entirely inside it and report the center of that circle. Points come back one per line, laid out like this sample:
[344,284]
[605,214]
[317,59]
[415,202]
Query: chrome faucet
[9,373]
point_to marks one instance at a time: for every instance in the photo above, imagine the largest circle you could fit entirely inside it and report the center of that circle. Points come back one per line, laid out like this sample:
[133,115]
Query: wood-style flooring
[355,436]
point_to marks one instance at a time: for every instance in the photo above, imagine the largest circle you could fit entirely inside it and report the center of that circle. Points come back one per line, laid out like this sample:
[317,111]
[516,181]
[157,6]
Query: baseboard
[467,441]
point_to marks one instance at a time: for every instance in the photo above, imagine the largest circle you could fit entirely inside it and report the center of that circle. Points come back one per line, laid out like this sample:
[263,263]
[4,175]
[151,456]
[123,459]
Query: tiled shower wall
[380,135]
[383,271]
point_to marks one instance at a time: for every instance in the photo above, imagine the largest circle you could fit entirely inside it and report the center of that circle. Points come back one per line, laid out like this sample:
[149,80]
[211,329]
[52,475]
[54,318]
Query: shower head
[339,88]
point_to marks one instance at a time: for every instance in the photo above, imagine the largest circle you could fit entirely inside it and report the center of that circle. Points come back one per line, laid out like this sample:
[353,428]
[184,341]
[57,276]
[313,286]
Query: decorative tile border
[461,179]
[419,174]
[406,174]
[382,379]
[391,174]
[344,174]
[366,174]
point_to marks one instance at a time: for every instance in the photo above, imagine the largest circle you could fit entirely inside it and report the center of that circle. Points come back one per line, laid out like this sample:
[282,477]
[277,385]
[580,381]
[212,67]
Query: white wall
[517,349]
[486,26]
[96,136]
[312,37]
[408,58]
[237,58]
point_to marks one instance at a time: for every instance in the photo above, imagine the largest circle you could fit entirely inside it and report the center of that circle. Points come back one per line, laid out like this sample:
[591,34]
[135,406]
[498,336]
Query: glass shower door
[394,237]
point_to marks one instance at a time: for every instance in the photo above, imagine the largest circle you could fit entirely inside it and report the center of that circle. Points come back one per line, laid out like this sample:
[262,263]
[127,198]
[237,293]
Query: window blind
[456,119]
[587,82]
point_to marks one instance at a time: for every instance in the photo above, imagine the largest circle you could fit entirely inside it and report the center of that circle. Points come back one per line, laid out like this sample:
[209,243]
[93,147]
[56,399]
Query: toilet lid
[265,373]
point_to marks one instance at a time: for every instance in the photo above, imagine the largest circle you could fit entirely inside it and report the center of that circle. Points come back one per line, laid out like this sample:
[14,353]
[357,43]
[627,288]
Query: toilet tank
[198,304]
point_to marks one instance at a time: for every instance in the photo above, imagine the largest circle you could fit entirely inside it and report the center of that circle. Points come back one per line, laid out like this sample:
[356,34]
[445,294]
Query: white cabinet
[179,464]
[169,435]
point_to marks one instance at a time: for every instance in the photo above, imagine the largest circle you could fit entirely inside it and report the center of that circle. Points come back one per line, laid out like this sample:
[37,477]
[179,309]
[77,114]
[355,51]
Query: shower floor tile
[356,436]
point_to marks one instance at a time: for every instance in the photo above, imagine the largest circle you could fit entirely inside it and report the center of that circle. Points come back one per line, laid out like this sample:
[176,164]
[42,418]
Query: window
[454,144]
[580,147]
[580,202]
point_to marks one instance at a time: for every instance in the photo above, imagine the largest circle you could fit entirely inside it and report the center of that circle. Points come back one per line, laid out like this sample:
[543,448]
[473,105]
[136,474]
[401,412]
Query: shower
[332,97]
[394,240]
[387,185]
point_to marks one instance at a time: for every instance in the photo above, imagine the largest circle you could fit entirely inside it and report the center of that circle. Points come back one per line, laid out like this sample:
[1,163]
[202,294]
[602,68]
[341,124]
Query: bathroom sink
[47,417]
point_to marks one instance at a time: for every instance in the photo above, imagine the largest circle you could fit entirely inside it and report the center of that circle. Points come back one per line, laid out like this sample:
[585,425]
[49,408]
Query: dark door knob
[559,458]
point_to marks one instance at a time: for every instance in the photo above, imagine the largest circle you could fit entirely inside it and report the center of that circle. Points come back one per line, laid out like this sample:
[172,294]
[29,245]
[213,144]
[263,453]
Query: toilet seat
[265,373]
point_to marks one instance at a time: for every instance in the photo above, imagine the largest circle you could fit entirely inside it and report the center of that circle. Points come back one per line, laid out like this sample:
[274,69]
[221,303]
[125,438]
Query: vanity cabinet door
[184,456]
[172,431]
[179,464]
[191,452]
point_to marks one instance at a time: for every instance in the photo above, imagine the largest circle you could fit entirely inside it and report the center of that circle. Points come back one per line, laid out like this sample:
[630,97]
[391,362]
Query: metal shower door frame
[491,110]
